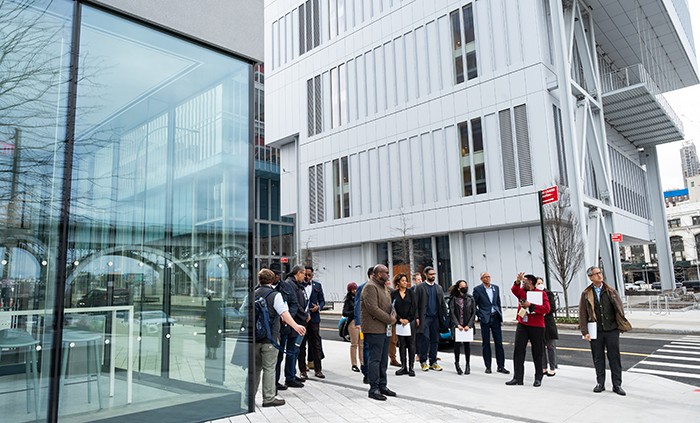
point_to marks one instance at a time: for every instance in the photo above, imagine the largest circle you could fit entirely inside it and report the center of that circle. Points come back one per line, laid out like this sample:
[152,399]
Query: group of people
[409,316]
[294,307]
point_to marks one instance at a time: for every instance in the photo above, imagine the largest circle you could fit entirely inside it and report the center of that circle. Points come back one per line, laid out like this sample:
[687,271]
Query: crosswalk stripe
[667,350]
[694,344]
[674,357]
[665,364]
[685,347]
[663,373]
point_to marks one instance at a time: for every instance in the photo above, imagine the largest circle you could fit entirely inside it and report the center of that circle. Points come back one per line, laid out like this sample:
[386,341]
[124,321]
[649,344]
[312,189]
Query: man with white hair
[488,309]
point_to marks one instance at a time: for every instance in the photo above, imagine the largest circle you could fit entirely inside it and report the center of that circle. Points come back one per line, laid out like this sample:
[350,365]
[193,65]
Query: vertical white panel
[441,158]
[381,78]
[295,33]
[342,16]
[453,165]
[390,74]
[498,31]
[365,182]
[374,180]
[411,66]
[361,86]
[335,99]
[326,102]
[283,44]
[377,7]
[359,12]
[434,64]
[401,83]
[325,20]
[275,30]
[352,91]
[515,45]
[384,178]
[417,161]
[395,174]
[368,12]
[288,38]
[484,38]
[492,150]
[371,83]
[405,180]
[350,14]
[333,17]
[445,52]
[428,161]
[422,59]
[343,86]
[355,187]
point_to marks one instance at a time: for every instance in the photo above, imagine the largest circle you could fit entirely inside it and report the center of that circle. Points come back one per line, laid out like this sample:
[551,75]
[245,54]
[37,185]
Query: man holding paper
[532,307]
[601,318]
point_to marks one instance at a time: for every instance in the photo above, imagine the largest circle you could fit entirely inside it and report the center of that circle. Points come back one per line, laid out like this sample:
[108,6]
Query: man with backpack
[269,308]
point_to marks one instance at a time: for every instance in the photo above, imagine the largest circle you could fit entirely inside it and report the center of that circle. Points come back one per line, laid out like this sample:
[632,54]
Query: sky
[686,104]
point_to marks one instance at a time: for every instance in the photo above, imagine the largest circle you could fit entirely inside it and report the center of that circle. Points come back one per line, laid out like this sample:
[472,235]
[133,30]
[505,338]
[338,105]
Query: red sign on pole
[550,195]
[616,237]
[284,260]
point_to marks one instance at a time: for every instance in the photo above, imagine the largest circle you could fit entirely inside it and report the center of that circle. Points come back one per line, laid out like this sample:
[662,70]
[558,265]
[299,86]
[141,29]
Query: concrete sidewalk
[445,396]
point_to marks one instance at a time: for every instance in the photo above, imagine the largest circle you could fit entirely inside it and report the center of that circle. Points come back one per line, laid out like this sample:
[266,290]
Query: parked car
[98,298]
[151,321]
[657,285]
[692,285]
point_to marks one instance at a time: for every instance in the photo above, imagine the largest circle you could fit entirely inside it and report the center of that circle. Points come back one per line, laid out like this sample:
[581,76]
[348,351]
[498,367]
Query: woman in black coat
[403,301]
[462,315]
[356,342]
[551,334]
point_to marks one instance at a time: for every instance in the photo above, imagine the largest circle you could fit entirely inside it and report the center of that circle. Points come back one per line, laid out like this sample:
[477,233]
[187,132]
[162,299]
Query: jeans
[492,327]
[378,346]
[610,341]
[431,334]
[287,341]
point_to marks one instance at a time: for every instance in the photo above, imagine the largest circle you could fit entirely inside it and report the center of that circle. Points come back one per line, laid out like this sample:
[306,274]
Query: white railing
[634,75]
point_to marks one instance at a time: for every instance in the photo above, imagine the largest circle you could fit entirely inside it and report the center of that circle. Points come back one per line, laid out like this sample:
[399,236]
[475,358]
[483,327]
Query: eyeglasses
[431,274]
[596,273]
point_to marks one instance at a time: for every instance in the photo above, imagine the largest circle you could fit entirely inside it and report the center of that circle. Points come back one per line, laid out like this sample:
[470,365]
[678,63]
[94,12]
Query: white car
[150,321]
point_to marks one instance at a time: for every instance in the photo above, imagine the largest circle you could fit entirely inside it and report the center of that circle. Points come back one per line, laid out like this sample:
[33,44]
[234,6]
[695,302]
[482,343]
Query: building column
[658,216]
[458,258]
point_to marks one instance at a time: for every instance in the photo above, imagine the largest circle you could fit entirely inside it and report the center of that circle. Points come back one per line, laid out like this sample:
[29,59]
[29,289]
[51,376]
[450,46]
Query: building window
[341,188]
[463,43]
[561,149]
[637,254]
[677,249]
[309,26]
[696,220]
[317,210]
[674,223]
[472,157]
[314,106]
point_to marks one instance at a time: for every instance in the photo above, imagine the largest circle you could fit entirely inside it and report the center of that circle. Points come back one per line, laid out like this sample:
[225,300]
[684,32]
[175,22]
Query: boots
[459,369]
[467,370]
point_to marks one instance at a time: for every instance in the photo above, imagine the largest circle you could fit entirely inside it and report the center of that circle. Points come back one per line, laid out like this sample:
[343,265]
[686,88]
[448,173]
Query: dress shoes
[274,403]
[377,396]
[619,391]
[411,373]
[503,370]
[320,375]
[402,371]
[355,369]
[513,382]
[281,387]
[365,380]
[537,383]
[388,392]
[303,375]
[599,388]
[488,370]
[395,363]
[294,384]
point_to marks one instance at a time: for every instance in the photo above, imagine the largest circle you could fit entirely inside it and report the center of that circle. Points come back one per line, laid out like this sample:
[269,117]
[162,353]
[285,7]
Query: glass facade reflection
[158,236]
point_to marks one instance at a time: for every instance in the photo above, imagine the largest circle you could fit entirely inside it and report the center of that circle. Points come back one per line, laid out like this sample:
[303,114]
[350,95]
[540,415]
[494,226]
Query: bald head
[485,279]
[381,273]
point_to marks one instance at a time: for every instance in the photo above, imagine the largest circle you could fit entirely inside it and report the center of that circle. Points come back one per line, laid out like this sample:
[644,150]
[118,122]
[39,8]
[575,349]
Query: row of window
[315,21]
[413,65]
[381,174]
[628,183]
[676,223]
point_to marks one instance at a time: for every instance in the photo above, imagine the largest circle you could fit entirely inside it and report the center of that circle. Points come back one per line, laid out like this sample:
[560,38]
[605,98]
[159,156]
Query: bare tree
[564,242]
[401,247]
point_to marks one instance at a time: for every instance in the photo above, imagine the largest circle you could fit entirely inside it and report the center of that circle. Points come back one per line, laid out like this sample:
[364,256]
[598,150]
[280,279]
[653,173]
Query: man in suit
[430,303]
[488,309]
[314,291]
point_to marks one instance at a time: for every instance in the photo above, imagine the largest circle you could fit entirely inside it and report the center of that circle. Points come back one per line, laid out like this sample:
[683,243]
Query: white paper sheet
[464,335]
[535,297]
[593,330]
[402,330]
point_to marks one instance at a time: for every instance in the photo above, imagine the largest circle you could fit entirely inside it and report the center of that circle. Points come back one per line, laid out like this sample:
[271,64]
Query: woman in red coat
[530,327]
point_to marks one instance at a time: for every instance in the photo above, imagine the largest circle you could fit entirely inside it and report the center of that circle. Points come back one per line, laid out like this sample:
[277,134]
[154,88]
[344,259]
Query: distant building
[693,184]
[673,197]
[689,161]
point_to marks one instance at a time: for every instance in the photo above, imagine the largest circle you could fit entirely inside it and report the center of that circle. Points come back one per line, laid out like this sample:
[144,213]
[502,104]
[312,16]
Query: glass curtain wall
[158,240]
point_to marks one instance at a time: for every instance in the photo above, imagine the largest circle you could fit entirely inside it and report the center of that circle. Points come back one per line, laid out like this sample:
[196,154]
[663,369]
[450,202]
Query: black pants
[610,341]
[492,327]
[406,345]
[467,351]
[313,339]
[378,346]
[523,334]
[431,334]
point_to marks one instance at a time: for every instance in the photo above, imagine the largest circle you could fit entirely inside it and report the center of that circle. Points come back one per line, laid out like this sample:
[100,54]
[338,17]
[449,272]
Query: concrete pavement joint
[438,403]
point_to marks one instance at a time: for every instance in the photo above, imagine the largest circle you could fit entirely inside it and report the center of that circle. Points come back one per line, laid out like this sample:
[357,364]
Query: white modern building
[421,131]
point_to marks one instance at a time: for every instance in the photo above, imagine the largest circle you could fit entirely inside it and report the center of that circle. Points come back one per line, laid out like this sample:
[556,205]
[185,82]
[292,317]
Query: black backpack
[262,328]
